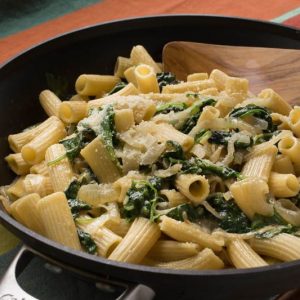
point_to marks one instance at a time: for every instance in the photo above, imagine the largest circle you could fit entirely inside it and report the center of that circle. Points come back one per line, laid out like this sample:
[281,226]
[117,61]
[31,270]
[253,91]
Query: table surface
[26,23]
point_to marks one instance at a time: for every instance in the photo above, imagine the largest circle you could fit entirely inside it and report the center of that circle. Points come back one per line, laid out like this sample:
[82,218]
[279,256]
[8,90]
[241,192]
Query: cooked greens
[78,206]
[205,167]
[255,111]
[117,87]
[195,112]
[141,199]
[87,241]
[168,107]
[186,211]
[165,78]
[232,218]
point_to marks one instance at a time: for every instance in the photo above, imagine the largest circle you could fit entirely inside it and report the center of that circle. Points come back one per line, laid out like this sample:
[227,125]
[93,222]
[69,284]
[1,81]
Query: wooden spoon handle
[274,68]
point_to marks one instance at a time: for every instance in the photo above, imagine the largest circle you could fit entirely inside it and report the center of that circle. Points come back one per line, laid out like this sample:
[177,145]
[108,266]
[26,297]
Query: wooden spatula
[274,68]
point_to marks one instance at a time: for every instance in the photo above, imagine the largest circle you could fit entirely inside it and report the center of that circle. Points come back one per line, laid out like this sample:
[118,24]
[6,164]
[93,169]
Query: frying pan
[94,50]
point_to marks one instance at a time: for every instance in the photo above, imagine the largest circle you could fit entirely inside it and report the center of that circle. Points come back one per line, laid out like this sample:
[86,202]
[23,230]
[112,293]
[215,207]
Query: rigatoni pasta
[142,168]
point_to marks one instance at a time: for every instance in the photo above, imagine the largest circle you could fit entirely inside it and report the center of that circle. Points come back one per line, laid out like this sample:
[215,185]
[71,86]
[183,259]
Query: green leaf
[77,206]
[290,229]
[168,107]
[195,112]
[232,218]
[119,86]
[165,78]
[205,167]
[186,211]
[255,111]
[87,241]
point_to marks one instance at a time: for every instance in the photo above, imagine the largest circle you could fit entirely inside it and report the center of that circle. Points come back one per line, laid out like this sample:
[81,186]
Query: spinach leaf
[255,111]
[232,218]
[264,137]
[205,167]
[221,138]
[117,87]
[183,211]
[277,230]
[77,206]
[87,241]
[142,199]
[196,110]
[172,155]
[203,133]
[165,78]
[260,221]
[168,107]
[76,142]
[108,133]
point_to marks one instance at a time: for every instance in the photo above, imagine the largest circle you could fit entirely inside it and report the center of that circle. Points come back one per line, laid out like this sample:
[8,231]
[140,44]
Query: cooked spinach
[108,133]
[117,87]
[277,230]
[142,199]
[76,142]
[205,167]
[165,78]
[260,221]
[232,218]
[221,138]
[87,241]
[77,206]
[264,137]
[255,111]
[186,211]
[202,134]
[173,154]
[195,112]
[168,107]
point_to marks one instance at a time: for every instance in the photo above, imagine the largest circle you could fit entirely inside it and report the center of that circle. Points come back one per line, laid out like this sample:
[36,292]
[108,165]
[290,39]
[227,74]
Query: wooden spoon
[274,68]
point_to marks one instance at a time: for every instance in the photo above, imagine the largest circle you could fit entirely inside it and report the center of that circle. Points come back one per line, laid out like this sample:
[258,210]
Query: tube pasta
[251,203]
[288,211]
[25,211]
[274,102]
[129,74]
[284,247]
[93,85]
[17,189]
[34,151]
[50,102]
[18,140]
[197,77]
[36,183]
[290,146]
[243,256]
[220,78]
[72,111]
[283,165]
[17,163]
[140,238]
[139,55]
[59,167]
[40,168]
[106,241]
[260,165]
[184,232]
[191,86]
[124,119]
[171,250]
[204,260]
[194,187]
[174,198]
[100,161]
[122,64]
[284,185]
[58,221]
[146,79]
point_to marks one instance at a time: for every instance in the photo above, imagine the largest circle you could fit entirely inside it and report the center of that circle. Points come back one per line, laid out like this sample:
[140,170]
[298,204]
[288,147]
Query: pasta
[142,168]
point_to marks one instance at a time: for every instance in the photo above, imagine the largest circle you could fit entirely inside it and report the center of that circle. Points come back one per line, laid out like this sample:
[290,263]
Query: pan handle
[9,287]
[137,292]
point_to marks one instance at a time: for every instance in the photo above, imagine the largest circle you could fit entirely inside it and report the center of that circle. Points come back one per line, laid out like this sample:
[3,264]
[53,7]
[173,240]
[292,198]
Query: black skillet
[94,50]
